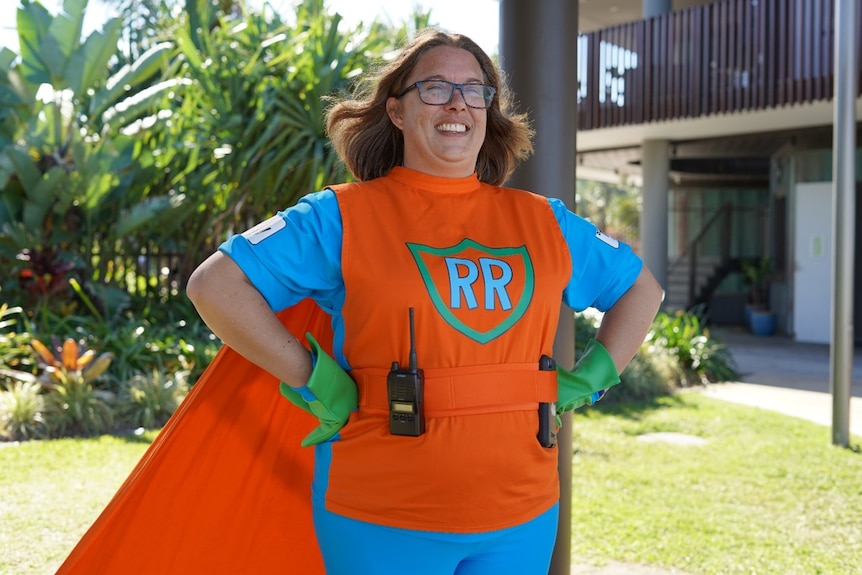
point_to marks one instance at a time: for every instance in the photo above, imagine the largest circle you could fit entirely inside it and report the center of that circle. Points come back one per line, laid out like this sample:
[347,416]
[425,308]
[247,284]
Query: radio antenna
[413,363]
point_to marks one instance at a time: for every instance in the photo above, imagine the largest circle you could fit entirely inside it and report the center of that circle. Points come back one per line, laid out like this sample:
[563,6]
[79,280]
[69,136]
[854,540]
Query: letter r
[459,284]
[496,285]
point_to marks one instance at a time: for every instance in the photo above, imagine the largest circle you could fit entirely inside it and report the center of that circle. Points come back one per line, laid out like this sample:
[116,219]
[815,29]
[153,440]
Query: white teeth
[451,128]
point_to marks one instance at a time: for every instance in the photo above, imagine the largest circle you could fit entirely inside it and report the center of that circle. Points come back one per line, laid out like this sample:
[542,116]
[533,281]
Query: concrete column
[652,8]
[538,50]
[655,164]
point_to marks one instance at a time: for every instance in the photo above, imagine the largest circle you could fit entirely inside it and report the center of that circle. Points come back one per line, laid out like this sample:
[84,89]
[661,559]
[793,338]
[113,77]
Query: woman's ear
[393,109]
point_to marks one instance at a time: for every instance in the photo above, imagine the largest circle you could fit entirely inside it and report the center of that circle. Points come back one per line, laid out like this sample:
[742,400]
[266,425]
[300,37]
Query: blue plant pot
[763,322]
[746,312]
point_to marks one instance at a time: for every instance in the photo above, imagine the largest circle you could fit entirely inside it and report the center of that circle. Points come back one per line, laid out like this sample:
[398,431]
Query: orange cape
[224,488]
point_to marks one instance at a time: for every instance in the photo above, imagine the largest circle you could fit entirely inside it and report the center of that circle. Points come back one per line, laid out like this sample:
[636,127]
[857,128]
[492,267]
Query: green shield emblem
[479,291]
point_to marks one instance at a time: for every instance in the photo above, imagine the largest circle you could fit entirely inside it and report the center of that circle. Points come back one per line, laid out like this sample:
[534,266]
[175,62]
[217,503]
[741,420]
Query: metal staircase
[692,277]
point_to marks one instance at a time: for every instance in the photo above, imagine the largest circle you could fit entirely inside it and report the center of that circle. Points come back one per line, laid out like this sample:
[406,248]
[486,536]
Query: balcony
[727,57]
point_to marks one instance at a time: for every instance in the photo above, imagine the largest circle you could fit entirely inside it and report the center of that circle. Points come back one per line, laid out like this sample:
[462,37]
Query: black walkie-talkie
[547,411]
[405,389]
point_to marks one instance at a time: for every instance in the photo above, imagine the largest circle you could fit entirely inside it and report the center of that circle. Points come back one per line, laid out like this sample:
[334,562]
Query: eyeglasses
[441,92]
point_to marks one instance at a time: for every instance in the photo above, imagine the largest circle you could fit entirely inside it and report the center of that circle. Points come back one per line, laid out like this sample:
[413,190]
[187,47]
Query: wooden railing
[729,56]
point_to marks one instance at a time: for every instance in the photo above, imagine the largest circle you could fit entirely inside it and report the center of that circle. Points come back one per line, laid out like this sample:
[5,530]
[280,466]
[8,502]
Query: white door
[812,278]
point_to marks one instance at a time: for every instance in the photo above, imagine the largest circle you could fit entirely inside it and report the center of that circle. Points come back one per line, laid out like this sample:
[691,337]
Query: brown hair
[370,145]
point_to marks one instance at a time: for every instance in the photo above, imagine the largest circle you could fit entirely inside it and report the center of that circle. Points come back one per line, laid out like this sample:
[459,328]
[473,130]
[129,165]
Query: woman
[444,290]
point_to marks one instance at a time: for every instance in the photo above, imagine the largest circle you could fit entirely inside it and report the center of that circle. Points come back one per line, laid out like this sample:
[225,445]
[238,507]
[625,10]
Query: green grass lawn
[50,493]
[766,494]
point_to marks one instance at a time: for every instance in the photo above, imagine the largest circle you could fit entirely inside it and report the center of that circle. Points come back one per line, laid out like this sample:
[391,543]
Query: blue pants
[350,547]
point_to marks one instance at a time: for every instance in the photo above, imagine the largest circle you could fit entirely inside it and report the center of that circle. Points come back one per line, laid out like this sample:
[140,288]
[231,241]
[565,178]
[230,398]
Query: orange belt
[466,390]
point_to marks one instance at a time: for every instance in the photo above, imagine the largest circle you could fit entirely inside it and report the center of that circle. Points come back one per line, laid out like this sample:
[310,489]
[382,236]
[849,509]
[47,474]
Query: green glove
[330,395]
[593,374]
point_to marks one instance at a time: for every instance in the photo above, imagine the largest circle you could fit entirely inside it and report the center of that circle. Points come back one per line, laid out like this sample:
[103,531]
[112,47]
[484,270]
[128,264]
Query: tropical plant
[679,351]
[149,400]
[21,403]
[167,337]
[685,350]
[642,379]
[145,24]
[250,139]
[15,353]
[122,175]
[22,412]
[66,166]
[74,405]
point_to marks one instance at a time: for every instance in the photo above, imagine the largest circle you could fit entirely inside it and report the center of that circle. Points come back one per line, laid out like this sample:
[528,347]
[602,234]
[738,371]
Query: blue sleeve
[295,254]
[603,269]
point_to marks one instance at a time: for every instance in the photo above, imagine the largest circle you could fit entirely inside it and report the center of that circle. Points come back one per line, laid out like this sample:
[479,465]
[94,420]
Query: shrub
[639,381]
[148,401]
[15,352]
[178,339]
[685,350]
[22,408]
[642,380]
[73,405]
[678,352]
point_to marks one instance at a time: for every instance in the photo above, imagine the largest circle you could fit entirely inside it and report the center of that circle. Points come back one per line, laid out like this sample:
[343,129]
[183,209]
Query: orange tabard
[484,269]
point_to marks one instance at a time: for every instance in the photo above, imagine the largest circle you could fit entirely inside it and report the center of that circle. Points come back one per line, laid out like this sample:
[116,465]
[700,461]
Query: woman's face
[441,140]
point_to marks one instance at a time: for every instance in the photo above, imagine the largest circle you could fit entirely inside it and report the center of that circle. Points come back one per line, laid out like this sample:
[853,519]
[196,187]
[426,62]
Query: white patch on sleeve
[264,230]
[607,239]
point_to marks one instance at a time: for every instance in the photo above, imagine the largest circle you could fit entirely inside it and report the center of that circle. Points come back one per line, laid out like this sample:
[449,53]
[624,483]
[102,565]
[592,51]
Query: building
[723,113]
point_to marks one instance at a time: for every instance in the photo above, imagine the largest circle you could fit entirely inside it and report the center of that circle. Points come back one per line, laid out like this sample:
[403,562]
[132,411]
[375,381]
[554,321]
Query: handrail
[724,210]
[724,57]
[690,252]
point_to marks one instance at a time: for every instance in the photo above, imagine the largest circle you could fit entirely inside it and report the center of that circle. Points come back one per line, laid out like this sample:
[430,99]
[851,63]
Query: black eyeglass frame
[455,86]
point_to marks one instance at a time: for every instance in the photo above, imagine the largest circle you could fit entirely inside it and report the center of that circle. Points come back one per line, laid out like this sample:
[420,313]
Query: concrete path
[783,375]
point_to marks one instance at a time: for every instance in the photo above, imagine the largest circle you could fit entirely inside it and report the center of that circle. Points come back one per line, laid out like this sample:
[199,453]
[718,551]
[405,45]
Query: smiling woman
[442,130]
[430,138]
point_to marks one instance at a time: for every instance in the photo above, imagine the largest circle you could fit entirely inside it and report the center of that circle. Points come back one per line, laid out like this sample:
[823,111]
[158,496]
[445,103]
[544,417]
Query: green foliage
[74,405]
[167,337]
[642,380]
[757,273]
[21,403]
[148,401]
[22,412]
[144,25]
[614,208]
[127,169]
[119,172]
[679,351]
[15,353]
[81,393]
[65,205]
[250,139]
[684,350]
